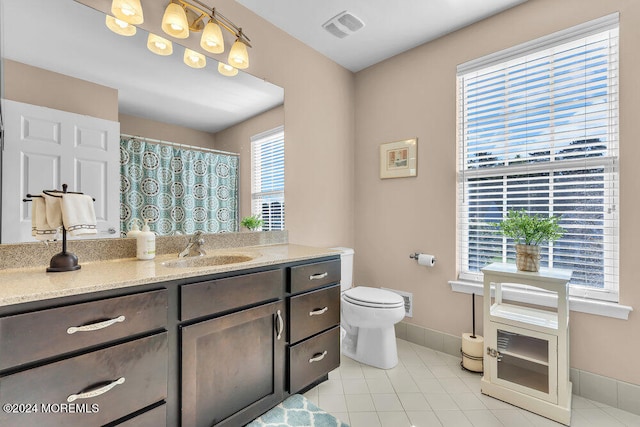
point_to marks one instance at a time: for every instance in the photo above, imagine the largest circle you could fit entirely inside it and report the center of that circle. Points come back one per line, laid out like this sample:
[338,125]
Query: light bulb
[212,40]
[174,21]
[129,11]
[159,45]
[120,27]
[238,56]
[227,70]
[194,59]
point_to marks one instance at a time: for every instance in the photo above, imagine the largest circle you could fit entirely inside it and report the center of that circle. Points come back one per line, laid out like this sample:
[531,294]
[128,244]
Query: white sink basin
[207,261]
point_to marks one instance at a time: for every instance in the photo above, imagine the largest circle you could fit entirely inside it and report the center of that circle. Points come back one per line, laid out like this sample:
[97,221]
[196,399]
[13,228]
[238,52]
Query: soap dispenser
[134,229]
[146,243]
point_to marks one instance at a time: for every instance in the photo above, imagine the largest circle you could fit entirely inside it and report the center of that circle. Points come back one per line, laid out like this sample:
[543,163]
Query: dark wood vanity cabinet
[233,364]
[314,322]
[215,350]
[85,364]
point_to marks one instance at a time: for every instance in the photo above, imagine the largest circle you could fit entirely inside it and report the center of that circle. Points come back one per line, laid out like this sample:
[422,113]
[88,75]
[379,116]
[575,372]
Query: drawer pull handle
[318,276]
[319,311]
[280,325]
[95,326]
[318,357]
[96,392]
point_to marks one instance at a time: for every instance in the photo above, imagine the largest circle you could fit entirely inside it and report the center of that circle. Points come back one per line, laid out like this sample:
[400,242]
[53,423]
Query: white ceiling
[391,27]
[70,38]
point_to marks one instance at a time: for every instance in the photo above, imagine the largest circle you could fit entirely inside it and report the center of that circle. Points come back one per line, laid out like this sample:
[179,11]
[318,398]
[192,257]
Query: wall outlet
[408,301]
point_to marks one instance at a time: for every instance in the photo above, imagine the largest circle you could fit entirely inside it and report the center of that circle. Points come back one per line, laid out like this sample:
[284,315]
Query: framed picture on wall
[399,159]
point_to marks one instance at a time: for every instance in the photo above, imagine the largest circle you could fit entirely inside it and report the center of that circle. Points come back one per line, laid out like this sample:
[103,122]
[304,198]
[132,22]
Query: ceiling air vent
[343,24]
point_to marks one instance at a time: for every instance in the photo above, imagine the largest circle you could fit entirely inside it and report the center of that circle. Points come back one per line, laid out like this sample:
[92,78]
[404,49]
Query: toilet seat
[373,297]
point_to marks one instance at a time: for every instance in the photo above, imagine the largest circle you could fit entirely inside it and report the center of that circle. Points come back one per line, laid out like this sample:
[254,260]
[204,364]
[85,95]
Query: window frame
[268,137]
[608,164]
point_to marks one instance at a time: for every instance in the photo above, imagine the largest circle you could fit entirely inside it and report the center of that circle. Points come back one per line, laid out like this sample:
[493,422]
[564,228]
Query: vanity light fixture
[128,11]
[194,59]
[181,17]
[120,27]
[227,70]
[159,45]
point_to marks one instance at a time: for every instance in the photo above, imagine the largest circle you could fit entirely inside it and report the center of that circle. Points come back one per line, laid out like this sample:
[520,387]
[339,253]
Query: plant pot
[528,257]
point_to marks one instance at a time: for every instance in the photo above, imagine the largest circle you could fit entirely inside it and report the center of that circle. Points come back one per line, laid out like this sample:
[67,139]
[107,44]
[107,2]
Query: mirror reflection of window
[267,178]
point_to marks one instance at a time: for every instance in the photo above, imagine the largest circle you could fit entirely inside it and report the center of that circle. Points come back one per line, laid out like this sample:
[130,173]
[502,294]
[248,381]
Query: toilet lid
[373,297]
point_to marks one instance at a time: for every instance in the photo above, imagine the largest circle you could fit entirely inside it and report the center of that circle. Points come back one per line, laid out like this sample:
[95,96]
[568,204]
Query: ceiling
[390,27]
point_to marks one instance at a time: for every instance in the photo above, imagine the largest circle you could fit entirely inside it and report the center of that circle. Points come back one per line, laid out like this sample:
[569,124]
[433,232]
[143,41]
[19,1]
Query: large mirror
[155,95]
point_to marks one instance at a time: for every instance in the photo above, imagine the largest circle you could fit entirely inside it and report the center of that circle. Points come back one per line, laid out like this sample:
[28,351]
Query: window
[538,129]
[267,178]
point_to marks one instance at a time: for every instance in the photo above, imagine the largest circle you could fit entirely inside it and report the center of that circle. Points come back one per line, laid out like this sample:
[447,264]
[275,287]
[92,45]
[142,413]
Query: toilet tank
[346,267]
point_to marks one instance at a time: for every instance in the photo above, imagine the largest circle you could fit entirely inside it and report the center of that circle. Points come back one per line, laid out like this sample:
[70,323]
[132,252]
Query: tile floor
[428,388]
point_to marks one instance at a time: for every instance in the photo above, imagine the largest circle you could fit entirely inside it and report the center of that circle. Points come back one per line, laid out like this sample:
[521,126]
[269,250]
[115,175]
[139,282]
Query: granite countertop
[21,285]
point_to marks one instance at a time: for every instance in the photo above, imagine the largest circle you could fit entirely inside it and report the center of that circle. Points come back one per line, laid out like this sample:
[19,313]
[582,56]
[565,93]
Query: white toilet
[368,316]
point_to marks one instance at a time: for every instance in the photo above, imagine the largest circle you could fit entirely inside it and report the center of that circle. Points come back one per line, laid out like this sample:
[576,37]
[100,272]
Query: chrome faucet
[194,247]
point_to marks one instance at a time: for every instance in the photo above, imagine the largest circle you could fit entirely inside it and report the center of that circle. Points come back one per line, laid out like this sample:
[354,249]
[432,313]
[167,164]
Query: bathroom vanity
[168,346]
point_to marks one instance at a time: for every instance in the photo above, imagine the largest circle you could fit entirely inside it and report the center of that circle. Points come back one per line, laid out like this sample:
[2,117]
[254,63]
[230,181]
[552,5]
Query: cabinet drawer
[214,296]
[117,380]
[313,312]
[156,417]
[311,276]
[306,360]
[41,334]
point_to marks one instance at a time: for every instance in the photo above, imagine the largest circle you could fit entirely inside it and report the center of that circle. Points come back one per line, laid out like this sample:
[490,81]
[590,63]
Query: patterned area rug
[299,412]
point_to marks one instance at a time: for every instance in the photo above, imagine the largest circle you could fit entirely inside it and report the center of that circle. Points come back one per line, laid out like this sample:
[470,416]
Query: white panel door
[45,148]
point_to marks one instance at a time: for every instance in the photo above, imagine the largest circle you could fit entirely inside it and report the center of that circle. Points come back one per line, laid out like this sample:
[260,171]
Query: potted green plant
[252,222]
[528,232]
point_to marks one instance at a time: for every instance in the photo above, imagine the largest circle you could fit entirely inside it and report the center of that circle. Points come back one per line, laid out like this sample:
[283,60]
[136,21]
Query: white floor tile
[453,419]
[428,389]
[424,419]
[360,403]
[379,385]
[413,402]
[364,419]
[387,402]
[441,402]
[394,419]
[355,386]
[482,418]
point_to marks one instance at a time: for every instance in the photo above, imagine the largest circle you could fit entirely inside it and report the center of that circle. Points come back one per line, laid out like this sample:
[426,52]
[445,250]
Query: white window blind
[538,129]
[267,178]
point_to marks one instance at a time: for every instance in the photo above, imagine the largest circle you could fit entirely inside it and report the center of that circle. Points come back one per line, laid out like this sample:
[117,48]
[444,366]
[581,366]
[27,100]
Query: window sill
[582,305]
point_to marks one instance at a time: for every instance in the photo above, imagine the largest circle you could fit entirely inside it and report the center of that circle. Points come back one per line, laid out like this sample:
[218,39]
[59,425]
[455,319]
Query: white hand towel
[39,226]
[54,212]
[78,214]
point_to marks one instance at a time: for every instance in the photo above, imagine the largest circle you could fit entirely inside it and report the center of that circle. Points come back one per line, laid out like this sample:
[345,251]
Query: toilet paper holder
[415,256]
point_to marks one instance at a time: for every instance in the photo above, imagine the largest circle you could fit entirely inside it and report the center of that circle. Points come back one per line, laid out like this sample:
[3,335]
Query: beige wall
[237,139]
[138,126]
[413,94]
[32,85]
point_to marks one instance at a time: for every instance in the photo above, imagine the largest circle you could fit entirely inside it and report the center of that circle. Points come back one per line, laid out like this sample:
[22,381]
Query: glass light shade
[120,27]
[238,55]
[194,59]
[226,69]
[212,40]
[128,11]
[174,21]
[159,45]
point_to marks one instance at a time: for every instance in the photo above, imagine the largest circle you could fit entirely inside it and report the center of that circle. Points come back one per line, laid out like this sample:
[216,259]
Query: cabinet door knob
[318,276]
[95,326]
[96,392]
[318,311]
[318,357]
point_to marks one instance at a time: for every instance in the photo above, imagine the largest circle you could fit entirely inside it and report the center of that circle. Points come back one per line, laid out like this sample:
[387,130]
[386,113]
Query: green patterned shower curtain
[176,189]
